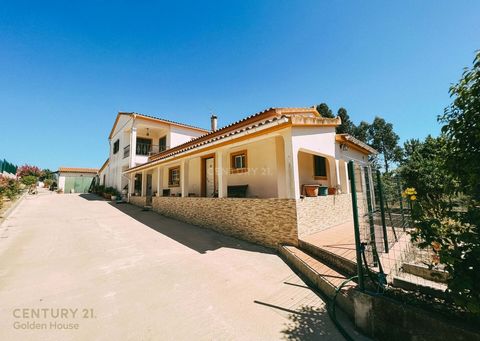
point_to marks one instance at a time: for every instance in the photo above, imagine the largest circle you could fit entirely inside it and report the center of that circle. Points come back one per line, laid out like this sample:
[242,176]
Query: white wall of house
[127,131]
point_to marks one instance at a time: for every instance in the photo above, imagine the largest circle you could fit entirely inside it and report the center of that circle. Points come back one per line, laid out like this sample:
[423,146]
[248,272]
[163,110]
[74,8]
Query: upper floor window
[238,162]
[144,146]
[320,167]
[116,147]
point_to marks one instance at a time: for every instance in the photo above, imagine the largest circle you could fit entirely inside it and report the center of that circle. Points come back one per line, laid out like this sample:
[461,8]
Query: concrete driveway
[74,267]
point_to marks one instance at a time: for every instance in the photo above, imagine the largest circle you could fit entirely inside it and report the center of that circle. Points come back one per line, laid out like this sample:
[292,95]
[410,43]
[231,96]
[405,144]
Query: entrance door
[210,177]
[149,189]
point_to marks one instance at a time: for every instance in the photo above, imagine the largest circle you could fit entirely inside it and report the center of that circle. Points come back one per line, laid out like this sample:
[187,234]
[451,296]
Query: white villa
[252,179]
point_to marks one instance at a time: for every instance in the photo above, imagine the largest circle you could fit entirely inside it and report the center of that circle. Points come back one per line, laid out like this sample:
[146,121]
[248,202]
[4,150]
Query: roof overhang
[355,143]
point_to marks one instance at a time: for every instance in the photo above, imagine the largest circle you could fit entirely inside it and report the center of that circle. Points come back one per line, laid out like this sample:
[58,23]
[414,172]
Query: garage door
[79,184]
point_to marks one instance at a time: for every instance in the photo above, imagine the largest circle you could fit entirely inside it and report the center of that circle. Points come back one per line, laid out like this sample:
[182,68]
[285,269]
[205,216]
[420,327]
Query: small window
[116,147]
[238,162]
[320,166]
[174,177]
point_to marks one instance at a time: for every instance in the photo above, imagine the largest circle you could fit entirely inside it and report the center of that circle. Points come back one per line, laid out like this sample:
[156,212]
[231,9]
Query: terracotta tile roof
[202,142]
[357,142]
[253,122]
[148,117]
[270,112]
[77,170]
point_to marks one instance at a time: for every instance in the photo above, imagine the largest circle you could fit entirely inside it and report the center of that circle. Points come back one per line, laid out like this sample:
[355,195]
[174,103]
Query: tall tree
[324,110]
[382,137]
[347,126]
[361,131]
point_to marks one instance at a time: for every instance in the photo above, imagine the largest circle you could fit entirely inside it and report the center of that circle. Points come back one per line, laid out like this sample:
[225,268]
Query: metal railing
[126,151]
[149,149]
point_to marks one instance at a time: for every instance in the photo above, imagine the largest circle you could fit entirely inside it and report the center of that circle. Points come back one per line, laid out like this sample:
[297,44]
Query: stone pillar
[131,184]
[337,174]
[222,168]
[133,146]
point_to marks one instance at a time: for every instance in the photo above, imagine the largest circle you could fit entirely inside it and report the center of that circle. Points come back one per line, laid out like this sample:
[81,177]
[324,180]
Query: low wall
[138,201]
[315,214]
[267,222]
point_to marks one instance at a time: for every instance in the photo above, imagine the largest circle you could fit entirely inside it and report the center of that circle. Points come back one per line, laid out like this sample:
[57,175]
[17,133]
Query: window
[116,147]
[238,162]
[162,144]
[320,167]
[174,177]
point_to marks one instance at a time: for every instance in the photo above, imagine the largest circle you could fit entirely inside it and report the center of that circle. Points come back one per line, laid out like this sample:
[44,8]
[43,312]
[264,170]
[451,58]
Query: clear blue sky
[67,67]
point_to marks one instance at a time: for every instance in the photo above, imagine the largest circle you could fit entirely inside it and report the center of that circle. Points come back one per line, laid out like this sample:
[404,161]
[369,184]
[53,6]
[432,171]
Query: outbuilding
[76,180]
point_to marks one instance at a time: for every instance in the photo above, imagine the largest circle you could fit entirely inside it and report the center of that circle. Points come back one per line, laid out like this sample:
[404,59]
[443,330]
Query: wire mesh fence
[389,257]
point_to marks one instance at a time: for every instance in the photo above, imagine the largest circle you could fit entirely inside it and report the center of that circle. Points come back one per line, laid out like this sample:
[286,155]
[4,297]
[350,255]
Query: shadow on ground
[196,238]
[91,197]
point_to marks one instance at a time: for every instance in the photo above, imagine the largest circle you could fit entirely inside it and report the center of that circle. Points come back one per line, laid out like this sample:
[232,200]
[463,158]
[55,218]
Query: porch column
[159,181]
[337,173]
[220,159]
[291,169]
[184,178]
[131,184]
[144,183]
[133,146]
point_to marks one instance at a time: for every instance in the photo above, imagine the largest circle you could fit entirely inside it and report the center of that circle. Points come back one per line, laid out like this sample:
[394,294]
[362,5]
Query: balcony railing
[149,149]
[126,151]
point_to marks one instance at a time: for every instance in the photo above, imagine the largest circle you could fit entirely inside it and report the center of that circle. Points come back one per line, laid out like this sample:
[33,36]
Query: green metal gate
[79,184]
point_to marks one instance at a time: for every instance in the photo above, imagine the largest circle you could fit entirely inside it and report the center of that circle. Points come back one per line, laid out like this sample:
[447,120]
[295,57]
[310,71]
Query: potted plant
[311,190]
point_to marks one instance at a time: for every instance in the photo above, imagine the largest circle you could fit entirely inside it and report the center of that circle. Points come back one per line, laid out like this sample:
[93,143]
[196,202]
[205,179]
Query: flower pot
[323,191]
[332,190]
[311,190]
[113,197]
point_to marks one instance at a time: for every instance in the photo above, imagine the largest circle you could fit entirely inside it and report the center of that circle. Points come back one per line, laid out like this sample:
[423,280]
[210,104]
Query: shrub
[29,180]
[9,187]
[27,170]
[47,183]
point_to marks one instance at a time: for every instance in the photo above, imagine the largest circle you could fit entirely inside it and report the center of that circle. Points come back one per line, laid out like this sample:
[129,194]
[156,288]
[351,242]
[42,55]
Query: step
[320,275]
[331,259]
[416,283]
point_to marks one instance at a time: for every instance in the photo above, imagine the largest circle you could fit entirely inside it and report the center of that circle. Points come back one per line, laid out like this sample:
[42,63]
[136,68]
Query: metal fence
[387,256]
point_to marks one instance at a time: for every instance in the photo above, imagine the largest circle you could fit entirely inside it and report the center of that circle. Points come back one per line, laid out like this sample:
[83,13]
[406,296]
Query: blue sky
[67,68]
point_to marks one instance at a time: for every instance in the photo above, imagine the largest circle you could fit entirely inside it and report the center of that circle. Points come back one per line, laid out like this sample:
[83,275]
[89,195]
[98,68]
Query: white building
[133,138]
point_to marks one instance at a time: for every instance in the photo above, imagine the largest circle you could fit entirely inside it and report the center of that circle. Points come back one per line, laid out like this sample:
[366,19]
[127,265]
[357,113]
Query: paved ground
[135,275]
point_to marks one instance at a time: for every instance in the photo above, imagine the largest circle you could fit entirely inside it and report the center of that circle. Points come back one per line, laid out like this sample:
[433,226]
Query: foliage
[9,187]
[382,137]
[27,170]
[47,183]
[347,126]
[361,131]
[46,174]
[425,169]
[324,110]
[29,180]
[446,171]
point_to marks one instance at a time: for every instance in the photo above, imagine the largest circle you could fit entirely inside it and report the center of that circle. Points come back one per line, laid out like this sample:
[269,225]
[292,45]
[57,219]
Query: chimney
[213,122]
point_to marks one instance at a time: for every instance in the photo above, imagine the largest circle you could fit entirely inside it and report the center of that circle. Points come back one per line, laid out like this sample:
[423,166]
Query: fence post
[373,242]
[382,210]
[401,202]
[356,226]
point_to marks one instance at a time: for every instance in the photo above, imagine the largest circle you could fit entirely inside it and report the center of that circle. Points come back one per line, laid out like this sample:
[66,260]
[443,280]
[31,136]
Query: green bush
[29,180]
[9,187]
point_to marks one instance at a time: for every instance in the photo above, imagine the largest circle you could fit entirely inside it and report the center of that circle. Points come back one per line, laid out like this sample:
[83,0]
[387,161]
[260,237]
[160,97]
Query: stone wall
[267,222]
[138,201]
[316,214]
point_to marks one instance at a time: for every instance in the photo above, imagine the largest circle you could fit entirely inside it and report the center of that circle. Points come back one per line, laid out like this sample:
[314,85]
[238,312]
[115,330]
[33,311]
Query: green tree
[347,126]
[382,137]
[46,174]
[446,171]
[324,110]
[361,131]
